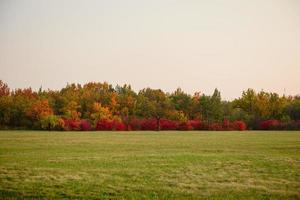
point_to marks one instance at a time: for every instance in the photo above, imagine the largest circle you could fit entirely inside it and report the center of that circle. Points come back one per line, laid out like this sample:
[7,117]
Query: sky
[198,45]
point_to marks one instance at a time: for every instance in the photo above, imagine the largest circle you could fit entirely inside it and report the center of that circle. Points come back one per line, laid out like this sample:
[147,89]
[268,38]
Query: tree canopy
[94,102]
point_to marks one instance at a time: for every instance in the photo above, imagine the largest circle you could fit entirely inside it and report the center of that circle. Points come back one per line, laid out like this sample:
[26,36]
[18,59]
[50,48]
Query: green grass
[149,165]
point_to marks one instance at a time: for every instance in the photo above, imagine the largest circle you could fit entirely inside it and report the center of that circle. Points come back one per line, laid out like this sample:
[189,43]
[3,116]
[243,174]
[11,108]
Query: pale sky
[198,45]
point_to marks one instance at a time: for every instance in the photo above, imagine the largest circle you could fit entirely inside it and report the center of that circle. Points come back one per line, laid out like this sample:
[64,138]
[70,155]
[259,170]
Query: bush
[85,125]
[196,124]
[291,125]
[135,124]
[227,125]
[72,125]
[215,127]
[149,124]
[108,125]
[238,125]
[185,126]
[119,126]
[269,124]
[166,124]
[104,125]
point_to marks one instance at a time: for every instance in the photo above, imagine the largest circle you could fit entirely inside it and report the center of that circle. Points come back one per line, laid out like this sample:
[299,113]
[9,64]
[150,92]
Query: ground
[149,165]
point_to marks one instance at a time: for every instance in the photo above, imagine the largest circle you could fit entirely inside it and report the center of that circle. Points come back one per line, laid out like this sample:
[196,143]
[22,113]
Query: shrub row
[278,125]
[165,124]
[149,125]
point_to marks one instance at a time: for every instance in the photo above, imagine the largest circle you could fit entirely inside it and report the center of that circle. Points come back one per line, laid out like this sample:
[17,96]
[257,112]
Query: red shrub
[71,125]
[292,125]
[104,125]
[238,125]
[269,124]
[196,124]
[204,126]
[85,125]
[215,127]
[135,124]
[185,126]
[110,125]
[166,124]
[278,125]
[119,126]
[149,124]
[227,125]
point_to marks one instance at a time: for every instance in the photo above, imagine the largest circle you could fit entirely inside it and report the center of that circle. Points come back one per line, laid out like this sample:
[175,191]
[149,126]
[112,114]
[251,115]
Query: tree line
[100,106]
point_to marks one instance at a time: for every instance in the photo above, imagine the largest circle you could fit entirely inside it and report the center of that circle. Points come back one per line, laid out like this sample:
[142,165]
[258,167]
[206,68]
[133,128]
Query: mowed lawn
[149,165]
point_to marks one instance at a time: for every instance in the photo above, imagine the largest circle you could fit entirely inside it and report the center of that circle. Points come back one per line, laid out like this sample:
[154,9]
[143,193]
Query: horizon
[137,91]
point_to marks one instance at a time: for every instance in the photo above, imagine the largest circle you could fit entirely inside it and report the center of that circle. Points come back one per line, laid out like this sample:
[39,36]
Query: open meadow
[150,165]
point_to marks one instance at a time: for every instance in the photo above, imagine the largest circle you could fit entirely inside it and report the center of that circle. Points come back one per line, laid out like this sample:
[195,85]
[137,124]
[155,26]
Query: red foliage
[108,125]
[185,126]
[149,124]
[238,125]
[269,124]
[278,125]
[196,124]
[226,124]
[104,125]
[72,125]
[85,125]
[135,124]
[215,127]
[204,126]
[119,126]
[166,124]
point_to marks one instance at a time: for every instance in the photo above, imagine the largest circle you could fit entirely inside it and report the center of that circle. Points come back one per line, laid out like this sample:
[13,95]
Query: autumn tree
[102,93]
[6,104]
[39,110]
[4,89]
[75,104]
[153,103]
[126,103]
[181,101]
[22,99]
[99,112]
[70,110]
[245,106]
[211,107]
[293,109]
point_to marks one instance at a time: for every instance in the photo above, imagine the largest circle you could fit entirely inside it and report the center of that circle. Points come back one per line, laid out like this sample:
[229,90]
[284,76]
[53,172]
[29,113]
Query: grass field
[149,165]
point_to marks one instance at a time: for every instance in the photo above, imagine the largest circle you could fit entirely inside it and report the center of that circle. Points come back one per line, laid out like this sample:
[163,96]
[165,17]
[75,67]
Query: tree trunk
[158,123]
[127,123]
[126,120]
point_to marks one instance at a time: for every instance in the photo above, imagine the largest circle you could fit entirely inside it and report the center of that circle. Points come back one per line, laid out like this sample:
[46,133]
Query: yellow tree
[71,110]
[99,112]
[39,110]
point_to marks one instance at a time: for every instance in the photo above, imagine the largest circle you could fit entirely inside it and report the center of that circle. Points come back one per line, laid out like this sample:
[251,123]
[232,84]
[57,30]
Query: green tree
[50,122]
[293,109]
[181,101]
[6,104]
[153,103]
[126,103]
[211,107]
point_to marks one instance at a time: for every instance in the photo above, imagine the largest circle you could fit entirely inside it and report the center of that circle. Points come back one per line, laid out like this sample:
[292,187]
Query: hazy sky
[195,44]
